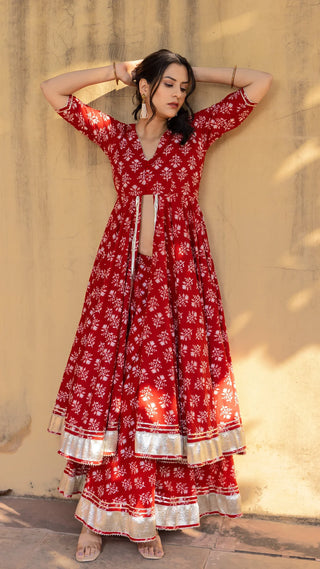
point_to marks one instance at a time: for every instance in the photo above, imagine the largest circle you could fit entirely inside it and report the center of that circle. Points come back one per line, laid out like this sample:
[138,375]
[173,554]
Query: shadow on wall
[270,222]
[277,297]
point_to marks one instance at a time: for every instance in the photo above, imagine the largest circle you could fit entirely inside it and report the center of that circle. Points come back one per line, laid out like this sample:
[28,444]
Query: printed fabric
[147,408]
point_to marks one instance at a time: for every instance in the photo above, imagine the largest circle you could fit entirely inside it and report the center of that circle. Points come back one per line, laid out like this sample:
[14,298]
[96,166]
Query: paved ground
[42,534]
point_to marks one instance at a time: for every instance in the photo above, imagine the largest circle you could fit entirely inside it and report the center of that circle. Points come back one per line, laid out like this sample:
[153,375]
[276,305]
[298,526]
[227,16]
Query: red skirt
[132,495]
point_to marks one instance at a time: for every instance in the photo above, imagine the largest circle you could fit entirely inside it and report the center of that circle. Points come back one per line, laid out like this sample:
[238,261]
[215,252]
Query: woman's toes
[89,545]
[152,549]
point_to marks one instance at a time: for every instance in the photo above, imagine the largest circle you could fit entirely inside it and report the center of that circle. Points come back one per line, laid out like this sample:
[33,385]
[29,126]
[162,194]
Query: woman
[147,406]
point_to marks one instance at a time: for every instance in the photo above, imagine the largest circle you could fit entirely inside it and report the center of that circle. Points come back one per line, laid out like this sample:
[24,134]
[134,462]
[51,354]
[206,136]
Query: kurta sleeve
[94,124]
[221,117]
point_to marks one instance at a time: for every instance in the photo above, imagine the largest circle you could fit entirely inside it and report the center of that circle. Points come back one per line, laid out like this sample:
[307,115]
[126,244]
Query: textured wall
[260,200]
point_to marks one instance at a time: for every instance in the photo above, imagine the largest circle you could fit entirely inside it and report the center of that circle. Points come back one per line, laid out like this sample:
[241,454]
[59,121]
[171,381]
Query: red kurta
[147,407]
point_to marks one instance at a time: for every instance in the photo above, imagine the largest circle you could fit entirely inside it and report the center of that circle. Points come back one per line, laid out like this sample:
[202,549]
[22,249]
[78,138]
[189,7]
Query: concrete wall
[260,200]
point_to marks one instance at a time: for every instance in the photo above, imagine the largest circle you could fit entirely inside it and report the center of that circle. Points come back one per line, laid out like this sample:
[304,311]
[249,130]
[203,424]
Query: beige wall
[260,200]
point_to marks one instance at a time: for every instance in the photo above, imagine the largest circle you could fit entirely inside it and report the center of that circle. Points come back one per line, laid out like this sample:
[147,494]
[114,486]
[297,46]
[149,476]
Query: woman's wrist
[124,69]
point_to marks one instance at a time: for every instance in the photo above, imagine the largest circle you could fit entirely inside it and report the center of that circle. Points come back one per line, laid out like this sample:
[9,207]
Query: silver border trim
[155,205]
[168,446]
[134,238]
[87,449]
[70,485]
[56,424]
[117,520]
[173,446]
[140,525]
[227,505]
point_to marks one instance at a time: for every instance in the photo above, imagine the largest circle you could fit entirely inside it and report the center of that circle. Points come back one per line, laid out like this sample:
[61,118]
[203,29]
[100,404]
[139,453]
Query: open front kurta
[147,407]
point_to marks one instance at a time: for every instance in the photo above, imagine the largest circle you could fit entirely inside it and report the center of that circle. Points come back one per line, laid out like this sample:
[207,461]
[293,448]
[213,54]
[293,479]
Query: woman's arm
[256,83]
[58,89]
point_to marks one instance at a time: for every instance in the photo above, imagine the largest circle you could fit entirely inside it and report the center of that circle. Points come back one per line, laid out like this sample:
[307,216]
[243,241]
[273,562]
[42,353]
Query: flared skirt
[133,495]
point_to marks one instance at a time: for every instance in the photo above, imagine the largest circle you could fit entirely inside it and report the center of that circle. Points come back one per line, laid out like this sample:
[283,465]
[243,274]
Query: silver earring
[144,112]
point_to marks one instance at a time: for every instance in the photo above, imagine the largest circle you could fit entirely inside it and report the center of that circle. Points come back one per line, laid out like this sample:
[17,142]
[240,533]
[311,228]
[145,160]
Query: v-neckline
[159,145]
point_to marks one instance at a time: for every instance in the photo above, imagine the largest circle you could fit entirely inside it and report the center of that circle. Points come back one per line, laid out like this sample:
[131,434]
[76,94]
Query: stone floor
[42,534]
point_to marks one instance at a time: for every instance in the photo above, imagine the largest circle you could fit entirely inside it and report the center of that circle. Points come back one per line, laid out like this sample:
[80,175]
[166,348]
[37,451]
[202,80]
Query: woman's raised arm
[57,89]
[256,83]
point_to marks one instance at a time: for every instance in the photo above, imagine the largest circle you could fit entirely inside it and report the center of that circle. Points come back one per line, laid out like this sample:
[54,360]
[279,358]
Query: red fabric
[135,485]
[150,363]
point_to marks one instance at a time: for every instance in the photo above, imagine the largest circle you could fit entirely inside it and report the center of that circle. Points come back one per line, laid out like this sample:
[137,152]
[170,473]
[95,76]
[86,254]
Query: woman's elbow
[44,87]
[268,79]
[49,93]
[263,86]
[267,83]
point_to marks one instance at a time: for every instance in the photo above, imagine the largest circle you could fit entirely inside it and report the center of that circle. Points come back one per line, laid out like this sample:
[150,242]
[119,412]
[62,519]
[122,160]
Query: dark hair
[152,69]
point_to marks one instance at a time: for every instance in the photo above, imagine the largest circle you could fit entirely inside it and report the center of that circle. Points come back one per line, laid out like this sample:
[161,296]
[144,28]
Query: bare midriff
[146,225]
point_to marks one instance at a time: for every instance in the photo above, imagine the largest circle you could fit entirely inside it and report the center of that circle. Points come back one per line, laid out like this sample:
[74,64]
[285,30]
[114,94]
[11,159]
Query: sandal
[89,546]
[151,549]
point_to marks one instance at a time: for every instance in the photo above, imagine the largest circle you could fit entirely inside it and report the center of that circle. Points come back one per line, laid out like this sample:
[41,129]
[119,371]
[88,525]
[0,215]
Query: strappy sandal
[88,540]
[156,544]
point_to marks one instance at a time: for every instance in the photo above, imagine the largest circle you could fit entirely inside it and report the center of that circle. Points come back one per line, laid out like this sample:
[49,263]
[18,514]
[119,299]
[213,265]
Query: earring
[144,112]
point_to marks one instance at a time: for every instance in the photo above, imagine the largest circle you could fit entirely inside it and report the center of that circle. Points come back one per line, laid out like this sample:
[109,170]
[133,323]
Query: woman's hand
[124,71]
[57,89]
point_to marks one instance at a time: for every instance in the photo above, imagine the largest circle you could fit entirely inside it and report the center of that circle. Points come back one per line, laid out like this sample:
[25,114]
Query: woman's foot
[89,545]
[151,549]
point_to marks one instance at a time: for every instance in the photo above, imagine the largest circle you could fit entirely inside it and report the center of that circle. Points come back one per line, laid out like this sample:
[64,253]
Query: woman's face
[172,91]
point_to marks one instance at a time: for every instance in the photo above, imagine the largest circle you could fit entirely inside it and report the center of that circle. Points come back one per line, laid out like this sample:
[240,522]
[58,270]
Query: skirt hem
[157,445]
[141,525]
